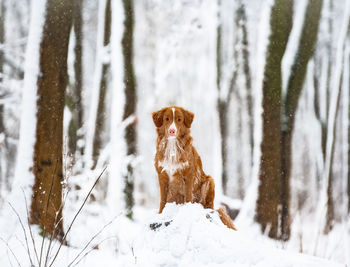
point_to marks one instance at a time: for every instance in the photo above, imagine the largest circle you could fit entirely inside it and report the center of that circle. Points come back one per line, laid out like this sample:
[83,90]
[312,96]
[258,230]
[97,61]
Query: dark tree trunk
[130,102]
[76,122]
[222,107]
[294,87]
[47,189]
[101,109]
[269,196]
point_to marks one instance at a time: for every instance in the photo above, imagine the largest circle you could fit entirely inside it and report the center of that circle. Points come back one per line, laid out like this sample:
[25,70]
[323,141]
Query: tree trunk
[242,23]
[130,102]
[323,121]
[76,123]
[223,102]
[222,108]
[47,189]
[269,191]
[294,87]
[100,117]
[330,203]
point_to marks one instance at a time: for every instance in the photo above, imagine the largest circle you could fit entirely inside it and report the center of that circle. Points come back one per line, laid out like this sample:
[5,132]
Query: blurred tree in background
[130,103]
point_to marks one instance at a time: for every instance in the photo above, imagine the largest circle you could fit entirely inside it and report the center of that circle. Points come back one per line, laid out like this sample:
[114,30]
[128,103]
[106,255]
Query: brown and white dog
[179,167]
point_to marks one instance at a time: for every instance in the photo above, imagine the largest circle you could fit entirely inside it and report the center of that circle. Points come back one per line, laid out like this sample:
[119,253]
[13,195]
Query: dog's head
[172,122]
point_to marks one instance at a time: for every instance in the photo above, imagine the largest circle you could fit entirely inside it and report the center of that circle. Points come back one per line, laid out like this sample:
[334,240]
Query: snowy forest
[269,84]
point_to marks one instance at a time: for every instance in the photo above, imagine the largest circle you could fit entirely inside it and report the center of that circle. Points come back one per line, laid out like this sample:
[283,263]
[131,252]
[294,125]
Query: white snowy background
[175,64]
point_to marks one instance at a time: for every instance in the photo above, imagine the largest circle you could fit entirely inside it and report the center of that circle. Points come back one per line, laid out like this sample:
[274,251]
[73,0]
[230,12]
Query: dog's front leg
[188,188]
[163,186]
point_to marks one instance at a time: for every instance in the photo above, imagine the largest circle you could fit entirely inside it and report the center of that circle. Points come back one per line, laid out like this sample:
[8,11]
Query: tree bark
[47,189]
[100,117]
[130,102]
[269,191]
[294,87]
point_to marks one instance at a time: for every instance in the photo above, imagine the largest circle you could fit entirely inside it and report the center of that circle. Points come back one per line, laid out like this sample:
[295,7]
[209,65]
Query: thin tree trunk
[100,118]
[330,203]
[130,102]
[242,23]
[269,196]
[221,107]
[47,189]
[76,122]
[326,198]
[294,87]
[223,103]
[7,150]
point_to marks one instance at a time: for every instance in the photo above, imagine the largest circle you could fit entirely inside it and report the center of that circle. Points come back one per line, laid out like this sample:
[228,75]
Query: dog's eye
[178,120]
[167,119]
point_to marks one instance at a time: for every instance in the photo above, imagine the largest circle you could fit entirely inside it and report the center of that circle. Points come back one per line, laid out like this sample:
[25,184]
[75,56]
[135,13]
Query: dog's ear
[188,118]
[158,117]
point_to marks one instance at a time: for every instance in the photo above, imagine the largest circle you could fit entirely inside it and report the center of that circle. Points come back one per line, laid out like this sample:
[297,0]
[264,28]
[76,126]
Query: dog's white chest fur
[170,163]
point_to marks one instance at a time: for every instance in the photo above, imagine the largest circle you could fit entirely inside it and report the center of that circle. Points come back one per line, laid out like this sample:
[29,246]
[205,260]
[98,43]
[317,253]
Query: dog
[179,167]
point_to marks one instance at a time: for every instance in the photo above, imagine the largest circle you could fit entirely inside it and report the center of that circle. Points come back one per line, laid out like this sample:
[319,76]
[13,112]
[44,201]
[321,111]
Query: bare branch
[24,232]
[88,252]
[30,229]
[97,234]
[76,215]
[13,254]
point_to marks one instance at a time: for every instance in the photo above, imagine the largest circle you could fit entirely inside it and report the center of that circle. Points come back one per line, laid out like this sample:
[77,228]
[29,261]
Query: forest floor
[183,235]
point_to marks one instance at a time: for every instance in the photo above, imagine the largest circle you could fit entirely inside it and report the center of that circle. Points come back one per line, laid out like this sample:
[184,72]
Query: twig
[57,223]
[8,257]
[7,245]
[76,215]
[97,234]
[61,209]
[52,235]
[30,228]
[21,242]
[88,252]
[24,232]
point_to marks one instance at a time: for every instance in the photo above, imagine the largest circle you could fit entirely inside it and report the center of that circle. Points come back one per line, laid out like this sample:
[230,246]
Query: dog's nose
[172,132]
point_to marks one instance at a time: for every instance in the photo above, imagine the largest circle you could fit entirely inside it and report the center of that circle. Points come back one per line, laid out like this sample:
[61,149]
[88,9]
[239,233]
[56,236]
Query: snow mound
[189,235]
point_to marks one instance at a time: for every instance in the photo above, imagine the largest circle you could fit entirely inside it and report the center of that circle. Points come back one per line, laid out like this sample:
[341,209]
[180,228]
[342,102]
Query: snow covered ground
[183,235]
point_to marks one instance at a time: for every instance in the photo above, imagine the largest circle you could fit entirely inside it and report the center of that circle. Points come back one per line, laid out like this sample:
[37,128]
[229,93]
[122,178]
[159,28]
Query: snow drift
[183,235]
[188,235]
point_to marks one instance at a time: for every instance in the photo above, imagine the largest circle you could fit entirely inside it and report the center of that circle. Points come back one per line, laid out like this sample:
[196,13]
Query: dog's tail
[225,218]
